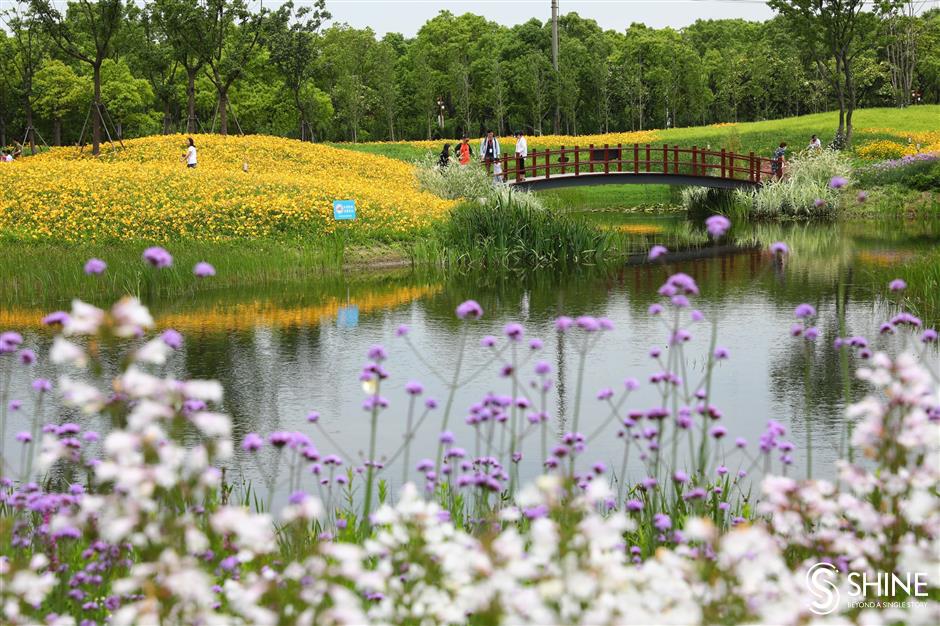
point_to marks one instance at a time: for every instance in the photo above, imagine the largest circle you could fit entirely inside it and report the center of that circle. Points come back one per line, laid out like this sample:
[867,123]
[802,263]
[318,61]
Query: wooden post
[548,163]
[636,158]
[606,159]
[561,159]
[760,167]
[647,158]
[750,167]
[731,165]
[505,159]
[723,164]
[694,160]
[675,159]
[591,157]
[577,161]
[535,169]
[619,157]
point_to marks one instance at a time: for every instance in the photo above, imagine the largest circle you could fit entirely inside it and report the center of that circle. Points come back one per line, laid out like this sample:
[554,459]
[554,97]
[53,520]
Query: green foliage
[123,94]
[507,233]
[920,174]
[59,90]
[804,191]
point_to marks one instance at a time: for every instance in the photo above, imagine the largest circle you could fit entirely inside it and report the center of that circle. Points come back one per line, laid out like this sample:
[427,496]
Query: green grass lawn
[759,137]
[612,197]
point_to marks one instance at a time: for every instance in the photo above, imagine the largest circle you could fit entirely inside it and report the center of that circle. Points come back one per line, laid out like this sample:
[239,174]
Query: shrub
[510,229]
[804,191]
[917,171]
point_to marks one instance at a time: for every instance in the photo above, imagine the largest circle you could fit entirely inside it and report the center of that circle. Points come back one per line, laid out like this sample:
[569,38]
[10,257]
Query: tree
[184,23]
[59,92]
[903,31]
[26,53]
[153,56]
[829,29]
[293,49]
[233,35]
[85,34]
[124,93]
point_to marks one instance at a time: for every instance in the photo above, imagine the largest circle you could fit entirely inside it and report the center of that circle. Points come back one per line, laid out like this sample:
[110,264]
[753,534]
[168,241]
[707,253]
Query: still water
[284,351]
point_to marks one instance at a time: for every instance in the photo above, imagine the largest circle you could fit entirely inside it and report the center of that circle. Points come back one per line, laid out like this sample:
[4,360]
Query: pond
[282,352]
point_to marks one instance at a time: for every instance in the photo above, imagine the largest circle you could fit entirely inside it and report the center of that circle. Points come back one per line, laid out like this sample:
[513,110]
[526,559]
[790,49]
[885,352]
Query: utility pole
[555,65]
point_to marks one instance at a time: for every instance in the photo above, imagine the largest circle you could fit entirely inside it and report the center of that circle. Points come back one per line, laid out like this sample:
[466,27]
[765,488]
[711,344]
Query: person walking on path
[489,149]
[190,154]
[464,151]
[779,160]
[522,151]
[814,143]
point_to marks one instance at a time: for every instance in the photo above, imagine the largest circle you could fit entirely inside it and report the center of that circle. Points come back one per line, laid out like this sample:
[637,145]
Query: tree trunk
[167,117]
[56,132]
[30,133]
[3,130]
[850,97]
[223,112]
[96,118]
[119,130]
[191,99]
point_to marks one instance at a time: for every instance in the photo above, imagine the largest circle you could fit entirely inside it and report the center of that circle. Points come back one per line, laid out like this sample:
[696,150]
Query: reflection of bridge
[635,164]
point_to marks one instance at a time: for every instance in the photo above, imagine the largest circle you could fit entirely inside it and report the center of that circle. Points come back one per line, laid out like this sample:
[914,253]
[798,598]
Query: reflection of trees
[824,398]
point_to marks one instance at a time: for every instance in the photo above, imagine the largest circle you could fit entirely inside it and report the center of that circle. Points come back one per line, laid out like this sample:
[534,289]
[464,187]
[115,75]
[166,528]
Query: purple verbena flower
[158,257]
[717,225]
[203,270]
[95,266]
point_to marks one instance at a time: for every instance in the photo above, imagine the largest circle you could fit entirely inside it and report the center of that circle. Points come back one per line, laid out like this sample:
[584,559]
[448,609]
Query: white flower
[213,425]
[205,390]
[154,352]
[84,319]
[131,317]
[64,352]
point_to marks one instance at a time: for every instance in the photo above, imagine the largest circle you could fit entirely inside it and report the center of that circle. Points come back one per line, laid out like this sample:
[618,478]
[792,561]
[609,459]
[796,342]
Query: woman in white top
[522,151]
[191,154]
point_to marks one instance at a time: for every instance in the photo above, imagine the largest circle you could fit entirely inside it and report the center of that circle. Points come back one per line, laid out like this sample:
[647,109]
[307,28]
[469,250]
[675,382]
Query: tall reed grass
[507,231]
[804,191]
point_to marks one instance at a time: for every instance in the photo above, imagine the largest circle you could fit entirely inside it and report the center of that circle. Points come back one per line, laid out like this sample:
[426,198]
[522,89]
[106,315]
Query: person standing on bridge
[522,151]
[779,161]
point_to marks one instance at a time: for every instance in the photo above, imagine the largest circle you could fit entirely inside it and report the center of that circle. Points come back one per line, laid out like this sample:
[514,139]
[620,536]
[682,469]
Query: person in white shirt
[522,151]
[814,143]
[190,154]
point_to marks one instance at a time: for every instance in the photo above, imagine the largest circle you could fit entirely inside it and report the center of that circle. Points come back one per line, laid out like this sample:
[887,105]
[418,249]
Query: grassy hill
[920,123]
[145,192]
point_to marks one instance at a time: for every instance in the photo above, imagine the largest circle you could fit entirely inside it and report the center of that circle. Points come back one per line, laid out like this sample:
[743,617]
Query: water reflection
[282,352]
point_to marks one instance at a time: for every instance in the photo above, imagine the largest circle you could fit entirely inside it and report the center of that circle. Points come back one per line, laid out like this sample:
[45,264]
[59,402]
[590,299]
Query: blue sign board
[344,209]
[347,316]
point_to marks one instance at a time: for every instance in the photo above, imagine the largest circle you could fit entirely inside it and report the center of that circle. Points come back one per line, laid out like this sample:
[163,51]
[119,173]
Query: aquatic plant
[805,190]
[507,230]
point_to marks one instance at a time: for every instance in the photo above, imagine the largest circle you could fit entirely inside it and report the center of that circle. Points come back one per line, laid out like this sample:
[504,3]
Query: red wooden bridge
[637,164]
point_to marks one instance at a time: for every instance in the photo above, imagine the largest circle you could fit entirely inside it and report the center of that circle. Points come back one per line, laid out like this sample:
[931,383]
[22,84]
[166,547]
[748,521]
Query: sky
[407,16]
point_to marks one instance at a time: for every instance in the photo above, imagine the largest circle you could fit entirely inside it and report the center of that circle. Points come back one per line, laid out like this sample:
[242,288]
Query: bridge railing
[635,159]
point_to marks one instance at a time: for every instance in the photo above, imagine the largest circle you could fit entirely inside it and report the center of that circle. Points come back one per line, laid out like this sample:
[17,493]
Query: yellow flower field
[911,143]
[146,192]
